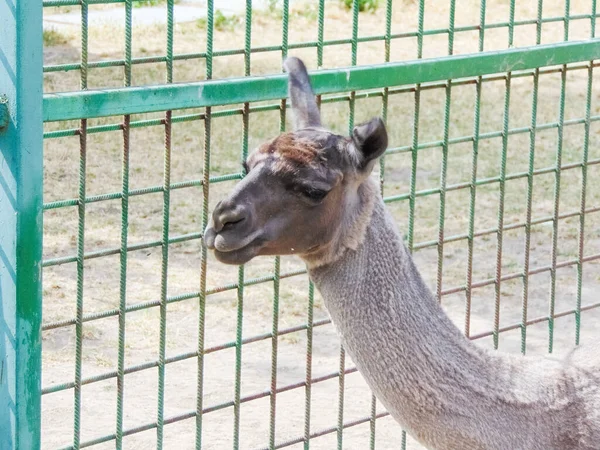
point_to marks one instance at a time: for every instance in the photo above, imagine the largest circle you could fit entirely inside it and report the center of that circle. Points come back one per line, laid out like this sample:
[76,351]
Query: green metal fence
[93,117]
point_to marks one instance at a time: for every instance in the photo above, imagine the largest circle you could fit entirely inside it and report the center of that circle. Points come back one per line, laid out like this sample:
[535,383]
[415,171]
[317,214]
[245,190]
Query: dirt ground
[142,331]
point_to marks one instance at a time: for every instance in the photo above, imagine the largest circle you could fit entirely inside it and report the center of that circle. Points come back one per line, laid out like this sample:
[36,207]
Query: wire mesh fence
[148,341]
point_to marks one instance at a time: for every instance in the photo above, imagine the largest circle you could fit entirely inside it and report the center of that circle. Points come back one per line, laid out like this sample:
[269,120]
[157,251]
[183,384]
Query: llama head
[301,188]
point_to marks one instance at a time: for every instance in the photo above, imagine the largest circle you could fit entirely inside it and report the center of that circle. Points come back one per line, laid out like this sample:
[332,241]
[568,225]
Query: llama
[309,193]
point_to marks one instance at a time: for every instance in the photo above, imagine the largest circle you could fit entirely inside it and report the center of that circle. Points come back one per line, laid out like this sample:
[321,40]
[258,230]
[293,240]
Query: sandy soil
[103,227]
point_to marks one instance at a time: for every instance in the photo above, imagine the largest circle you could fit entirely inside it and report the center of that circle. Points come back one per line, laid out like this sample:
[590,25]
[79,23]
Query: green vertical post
[21,218]
[415,135]
[240,290]
[444,166]
[473,183]
[162,348]
[584,177]
[414,153]
[557,184]
[384,115]
[124,234]
[342,365]
[277,266]
[83,126]
[309,349]
[530,175]
[210,16]
[311,287]
[502,186]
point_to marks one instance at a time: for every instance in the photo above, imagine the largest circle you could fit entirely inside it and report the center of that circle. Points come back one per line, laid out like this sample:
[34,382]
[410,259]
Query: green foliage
[221,22]
[142,3]
[274,10]
[272,5]
[51,38]
[201,23]
[363,5]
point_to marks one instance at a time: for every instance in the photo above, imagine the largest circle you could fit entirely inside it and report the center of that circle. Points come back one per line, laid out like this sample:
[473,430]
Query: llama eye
[316,195]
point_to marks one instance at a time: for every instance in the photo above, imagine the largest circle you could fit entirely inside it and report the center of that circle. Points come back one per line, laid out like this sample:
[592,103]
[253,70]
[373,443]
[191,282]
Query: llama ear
[304,105]
[370,141]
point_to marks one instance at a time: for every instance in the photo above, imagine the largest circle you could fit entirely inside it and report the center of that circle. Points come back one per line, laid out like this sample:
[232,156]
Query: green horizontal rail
[144,99]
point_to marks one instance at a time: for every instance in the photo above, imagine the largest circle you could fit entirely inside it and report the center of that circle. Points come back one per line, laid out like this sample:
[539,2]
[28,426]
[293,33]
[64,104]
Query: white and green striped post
[20,223]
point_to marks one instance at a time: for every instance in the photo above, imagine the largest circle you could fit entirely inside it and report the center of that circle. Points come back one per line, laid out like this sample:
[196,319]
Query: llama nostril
[231,223]
[227,218]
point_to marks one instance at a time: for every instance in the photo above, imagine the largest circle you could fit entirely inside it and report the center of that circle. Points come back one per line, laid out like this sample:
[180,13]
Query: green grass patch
[363,5]
[221,22]
[52,38]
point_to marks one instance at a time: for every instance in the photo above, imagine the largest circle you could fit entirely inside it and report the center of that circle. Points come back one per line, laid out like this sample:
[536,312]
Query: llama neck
[434,382]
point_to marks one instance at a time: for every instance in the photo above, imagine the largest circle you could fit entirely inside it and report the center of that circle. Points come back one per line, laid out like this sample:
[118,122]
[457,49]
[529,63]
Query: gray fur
[448,393]
[445,391]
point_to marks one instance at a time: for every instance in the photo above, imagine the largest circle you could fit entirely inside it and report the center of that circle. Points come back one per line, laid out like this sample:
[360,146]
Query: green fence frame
[111,102]
[21,182]
[21,165]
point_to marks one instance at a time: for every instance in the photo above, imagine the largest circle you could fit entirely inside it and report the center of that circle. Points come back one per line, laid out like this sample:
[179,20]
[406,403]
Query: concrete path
[188,11]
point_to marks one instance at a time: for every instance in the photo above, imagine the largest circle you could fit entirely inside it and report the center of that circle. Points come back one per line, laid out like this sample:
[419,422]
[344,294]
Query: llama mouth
[240,255]
[228,251]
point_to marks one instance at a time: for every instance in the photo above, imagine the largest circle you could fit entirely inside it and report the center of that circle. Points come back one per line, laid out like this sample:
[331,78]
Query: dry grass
[103,222]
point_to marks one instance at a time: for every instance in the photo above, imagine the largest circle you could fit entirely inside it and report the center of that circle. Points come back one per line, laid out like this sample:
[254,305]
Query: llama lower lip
[240,255]
[209,238]
[227,241]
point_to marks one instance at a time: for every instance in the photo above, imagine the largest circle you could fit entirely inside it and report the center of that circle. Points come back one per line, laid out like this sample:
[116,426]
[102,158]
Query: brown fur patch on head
[290,151]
